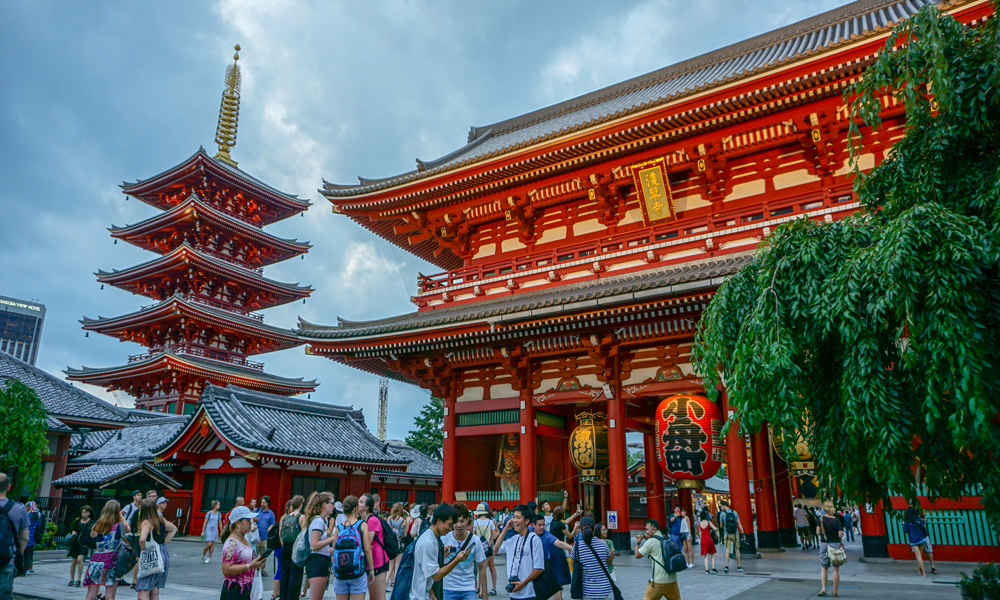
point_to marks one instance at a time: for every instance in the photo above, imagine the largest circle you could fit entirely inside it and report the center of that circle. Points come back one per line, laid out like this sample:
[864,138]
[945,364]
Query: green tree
[23,423]
[428,433]
[635,456]
[878,336]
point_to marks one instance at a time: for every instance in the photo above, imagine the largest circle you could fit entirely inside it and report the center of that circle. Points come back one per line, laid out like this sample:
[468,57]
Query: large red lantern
[687,439]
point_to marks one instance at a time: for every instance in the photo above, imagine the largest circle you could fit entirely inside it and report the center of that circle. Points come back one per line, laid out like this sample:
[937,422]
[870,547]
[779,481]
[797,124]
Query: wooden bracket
[603,189]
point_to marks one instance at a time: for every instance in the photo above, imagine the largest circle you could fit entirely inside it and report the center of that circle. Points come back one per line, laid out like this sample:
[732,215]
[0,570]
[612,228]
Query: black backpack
[390,543]
[731,522]
[8,535]
[673,560]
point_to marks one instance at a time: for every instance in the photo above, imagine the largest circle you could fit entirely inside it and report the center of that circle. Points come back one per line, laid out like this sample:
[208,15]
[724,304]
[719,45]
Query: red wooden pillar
[253,482]
[450,475]
[739,477]
[783,487]
[283,495]
[618,457]
[875,534]
[528,442]
[655,507]
[59,469]
[767,517]
[685,498]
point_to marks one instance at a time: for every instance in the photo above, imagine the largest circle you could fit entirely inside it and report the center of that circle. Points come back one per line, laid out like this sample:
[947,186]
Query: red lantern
[687,439]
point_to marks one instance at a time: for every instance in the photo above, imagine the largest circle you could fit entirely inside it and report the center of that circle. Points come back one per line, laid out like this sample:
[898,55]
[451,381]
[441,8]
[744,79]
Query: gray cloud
[94,93]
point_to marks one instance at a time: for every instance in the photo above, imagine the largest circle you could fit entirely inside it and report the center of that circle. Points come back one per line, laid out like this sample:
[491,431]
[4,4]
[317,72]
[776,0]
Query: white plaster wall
[640,375]
[690,202]
[632,216]
[485,250]
[588,226]
[239,463]
[331,470]
[470,394]
[212,463]
[867,161]
[787,180]
[511,244]
[301,467]
[747,241]
[551,234]
[743,190]
[502,390]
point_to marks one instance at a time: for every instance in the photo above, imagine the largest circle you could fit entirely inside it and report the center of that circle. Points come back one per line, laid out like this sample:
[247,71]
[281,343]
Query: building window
[426,496]
[224,488]
[394,495]
[303,486]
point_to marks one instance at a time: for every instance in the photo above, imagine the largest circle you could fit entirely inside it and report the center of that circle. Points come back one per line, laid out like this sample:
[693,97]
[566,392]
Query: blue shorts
[455,595]
[358,585]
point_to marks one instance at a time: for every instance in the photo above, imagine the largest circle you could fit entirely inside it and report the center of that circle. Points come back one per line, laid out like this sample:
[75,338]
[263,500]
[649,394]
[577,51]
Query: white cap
[241,512]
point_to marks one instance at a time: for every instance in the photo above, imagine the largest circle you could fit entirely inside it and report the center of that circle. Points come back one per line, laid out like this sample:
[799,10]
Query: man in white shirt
[525,554]
[426,570]
[460,584]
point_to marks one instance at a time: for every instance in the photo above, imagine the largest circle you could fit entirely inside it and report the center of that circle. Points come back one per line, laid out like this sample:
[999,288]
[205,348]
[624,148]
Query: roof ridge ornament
[229,111]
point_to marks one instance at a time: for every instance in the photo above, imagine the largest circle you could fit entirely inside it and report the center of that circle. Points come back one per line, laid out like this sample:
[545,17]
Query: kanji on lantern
[687,437]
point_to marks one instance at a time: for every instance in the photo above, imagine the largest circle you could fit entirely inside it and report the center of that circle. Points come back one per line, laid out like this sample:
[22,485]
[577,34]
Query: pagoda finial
[229,112]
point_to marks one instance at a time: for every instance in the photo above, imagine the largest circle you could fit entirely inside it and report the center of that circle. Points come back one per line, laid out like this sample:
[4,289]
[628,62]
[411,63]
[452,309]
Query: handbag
[837,556]
[614,587]
[150,561]
[576,582]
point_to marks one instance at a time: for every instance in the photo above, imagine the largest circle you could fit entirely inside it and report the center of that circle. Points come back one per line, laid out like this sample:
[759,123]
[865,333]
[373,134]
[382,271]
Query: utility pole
[383,405]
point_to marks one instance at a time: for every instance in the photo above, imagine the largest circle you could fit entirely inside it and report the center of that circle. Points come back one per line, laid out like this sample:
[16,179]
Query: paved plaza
[790,575]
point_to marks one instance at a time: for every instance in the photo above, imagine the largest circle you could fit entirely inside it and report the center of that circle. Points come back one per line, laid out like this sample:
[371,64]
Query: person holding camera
[525,554]
[427,571]
[662,584]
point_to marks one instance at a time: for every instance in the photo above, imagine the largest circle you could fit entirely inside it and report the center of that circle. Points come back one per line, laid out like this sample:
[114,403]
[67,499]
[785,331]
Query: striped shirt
[595,584]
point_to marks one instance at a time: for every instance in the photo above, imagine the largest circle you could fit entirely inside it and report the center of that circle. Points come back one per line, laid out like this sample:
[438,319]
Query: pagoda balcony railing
[634,244]
[215,354]
[200,299]
[229,259]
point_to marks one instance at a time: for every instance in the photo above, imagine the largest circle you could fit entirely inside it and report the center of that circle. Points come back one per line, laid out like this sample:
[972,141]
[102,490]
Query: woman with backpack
[104,537]
[353,571]
[920,542]
[397,521]
[368,509]
[79,530]
[485,528]
[290,575]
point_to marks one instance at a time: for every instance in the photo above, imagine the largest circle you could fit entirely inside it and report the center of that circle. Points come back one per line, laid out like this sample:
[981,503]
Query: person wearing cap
[418,520]
[341,517]
[161,505]
[486,530]
[240,563]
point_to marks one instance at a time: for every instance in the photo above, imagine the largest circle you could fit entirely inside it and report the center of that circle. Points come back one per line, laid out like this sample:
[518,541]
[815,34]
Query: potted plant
[984,584]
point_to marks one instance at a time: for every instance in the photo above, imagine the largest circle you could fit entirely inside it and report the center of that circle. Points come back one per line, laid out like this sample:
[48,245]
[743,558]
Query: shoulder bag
[600,563]
[150,561]
[576,581]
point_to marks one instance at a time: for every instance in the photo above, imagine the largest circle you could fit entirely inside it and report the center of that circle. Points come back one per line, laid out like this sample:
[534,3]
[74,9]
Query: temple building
[578,245]
[207,282]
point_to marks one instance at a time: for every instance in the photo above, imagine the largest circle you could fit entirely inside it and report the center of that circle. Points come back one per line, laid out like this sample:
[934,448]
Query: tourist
[813,524]
[602,532]
[34,522]
[460,583]
[848,520]
[280,551]
[662,584]
[418,521]
[79,530]
[368,508]
[236,504]
[856,514]
[132,508]
[240,564]
[265,521]
[485,528]
[162,531]
[397,522]
[427,572]
[317,568]
[354,587]
[590,552]
[802,526]
[547,510]
[560,522]
[134,524]
[525,555]
[290,579]
[341,517]
[161,506]
[555,551]
[920,541]
[687,547]
[104,535]
[732,532]
[210,531]
[674,525]
[151,495]
[707,541]
[831,534]
[18,532]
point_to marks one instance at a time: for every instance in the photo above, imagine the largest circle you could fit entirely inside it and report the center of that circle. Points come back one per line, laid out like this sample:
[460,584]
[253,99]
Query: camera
[511,582]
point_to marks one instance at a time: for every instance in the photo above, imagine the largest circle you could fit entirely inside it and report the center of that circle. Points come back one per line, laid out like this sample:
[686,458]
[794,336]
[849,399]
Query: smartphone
[267,552]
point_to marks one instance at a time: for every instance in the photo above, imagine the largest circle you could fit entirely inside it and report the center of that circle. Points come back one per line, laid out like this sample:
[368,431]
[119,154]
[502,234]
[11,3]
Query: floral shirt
[236,553]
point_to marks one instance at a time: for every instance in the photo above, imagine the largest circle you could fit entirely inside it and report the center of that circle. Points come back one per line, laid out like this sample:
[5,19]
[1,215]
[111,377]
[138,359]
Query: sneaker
[29,572]
[206,560]
[739,569]
[727,569]
[706,572]
[715,572]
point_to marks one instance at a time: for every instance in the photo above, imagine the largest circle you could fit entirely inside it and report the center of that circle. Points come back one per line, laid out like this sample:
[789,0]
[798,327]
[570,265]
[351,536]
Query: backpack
[389,541]
[404,575]
[289,529]
[349,560]
[547,584]
[274,538]
[7,534]
[731,522]
[301,549]
[673,560]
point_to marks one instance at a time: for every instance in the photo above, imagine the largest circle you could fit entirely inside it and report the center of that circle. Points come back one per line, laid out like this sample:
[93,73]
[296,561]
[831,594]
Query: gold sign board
[653,188]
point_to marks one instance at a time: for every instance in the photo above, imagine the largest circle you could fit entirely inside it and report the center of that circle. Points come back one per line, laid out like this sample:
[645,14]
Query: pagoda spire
[229,112]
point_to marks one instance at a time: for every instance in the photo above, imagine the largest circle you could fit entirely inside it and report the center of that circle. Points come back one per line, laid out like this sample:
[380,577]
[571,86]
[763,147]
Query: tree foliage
[878,336]
[23,423]
[428,433]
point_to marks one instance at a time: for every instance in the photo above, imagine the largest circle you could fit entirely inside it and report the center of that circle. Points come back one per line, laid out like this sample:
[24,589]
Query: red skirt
[706,543]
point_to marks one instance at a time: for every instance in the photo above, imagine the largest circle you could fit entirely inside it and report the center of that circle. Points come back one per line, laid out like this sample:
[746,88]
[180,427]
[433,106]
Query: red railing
[215,304]
[723,222]
[227,258]
[202,352]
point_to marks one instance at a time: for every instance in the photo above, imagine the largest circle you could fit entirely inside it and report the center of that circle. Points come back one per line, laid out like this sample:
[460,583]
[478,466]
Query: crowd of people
[415,552]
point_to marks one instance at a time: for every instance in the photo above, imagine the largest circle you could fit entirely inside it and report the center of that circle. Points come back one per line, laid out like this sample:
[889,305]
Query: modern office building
[21,328]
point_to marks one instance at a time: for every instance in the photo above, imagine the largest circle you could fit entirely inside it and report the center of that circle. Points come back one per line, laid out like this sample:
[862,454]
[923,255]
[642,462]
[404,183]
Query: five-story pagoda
[207,280]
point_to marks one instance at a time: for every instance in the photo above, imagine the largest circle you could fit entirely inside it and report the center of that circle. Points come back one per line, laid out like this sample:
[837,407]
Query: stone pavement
[788,575]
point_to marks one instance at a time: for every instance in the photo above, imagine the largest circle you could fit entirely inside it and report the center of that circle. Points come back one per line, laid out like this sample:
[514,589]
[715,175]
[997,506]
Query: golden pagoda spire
[229,112]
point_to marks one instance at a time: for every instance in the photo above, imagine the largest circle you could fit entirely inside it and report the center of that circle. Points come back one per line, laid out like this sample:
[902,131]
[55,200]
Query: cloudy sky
[94,93]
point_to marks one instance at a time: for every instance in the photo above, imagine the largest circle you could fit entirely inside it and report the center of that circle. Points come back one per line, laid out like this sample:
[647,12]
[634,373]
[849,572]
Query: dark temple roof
[137,442]
[107,474]
[62,400]
[547,302]
[268,423]
[846,24]
[421,465]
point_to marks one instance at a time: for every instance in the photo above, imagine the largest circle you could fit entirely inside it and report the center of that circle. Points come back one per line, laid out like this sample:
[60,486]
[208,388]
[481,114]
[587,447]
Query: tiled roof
[139,441]
[274,424]
[421,465]
[61,399]
[846,24]
[565,298]
[106,474]
[57,426]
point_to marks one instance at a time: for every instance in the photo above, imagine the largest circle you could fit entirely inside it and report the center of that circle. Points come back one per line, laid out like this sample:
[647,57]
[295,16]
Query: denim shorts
[926,545]
[460,595]
[358,585]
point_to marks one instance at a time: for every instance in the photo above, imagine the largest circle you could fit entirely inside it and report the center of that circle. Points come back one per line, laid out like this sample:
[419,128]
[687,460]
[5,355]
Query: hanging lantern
[687,439]
[588,447]
[804,464]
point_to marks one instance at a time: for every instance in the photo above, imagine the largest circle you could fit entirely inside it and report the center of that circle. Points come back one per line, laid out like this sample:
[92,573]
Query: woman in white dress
[210,531]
